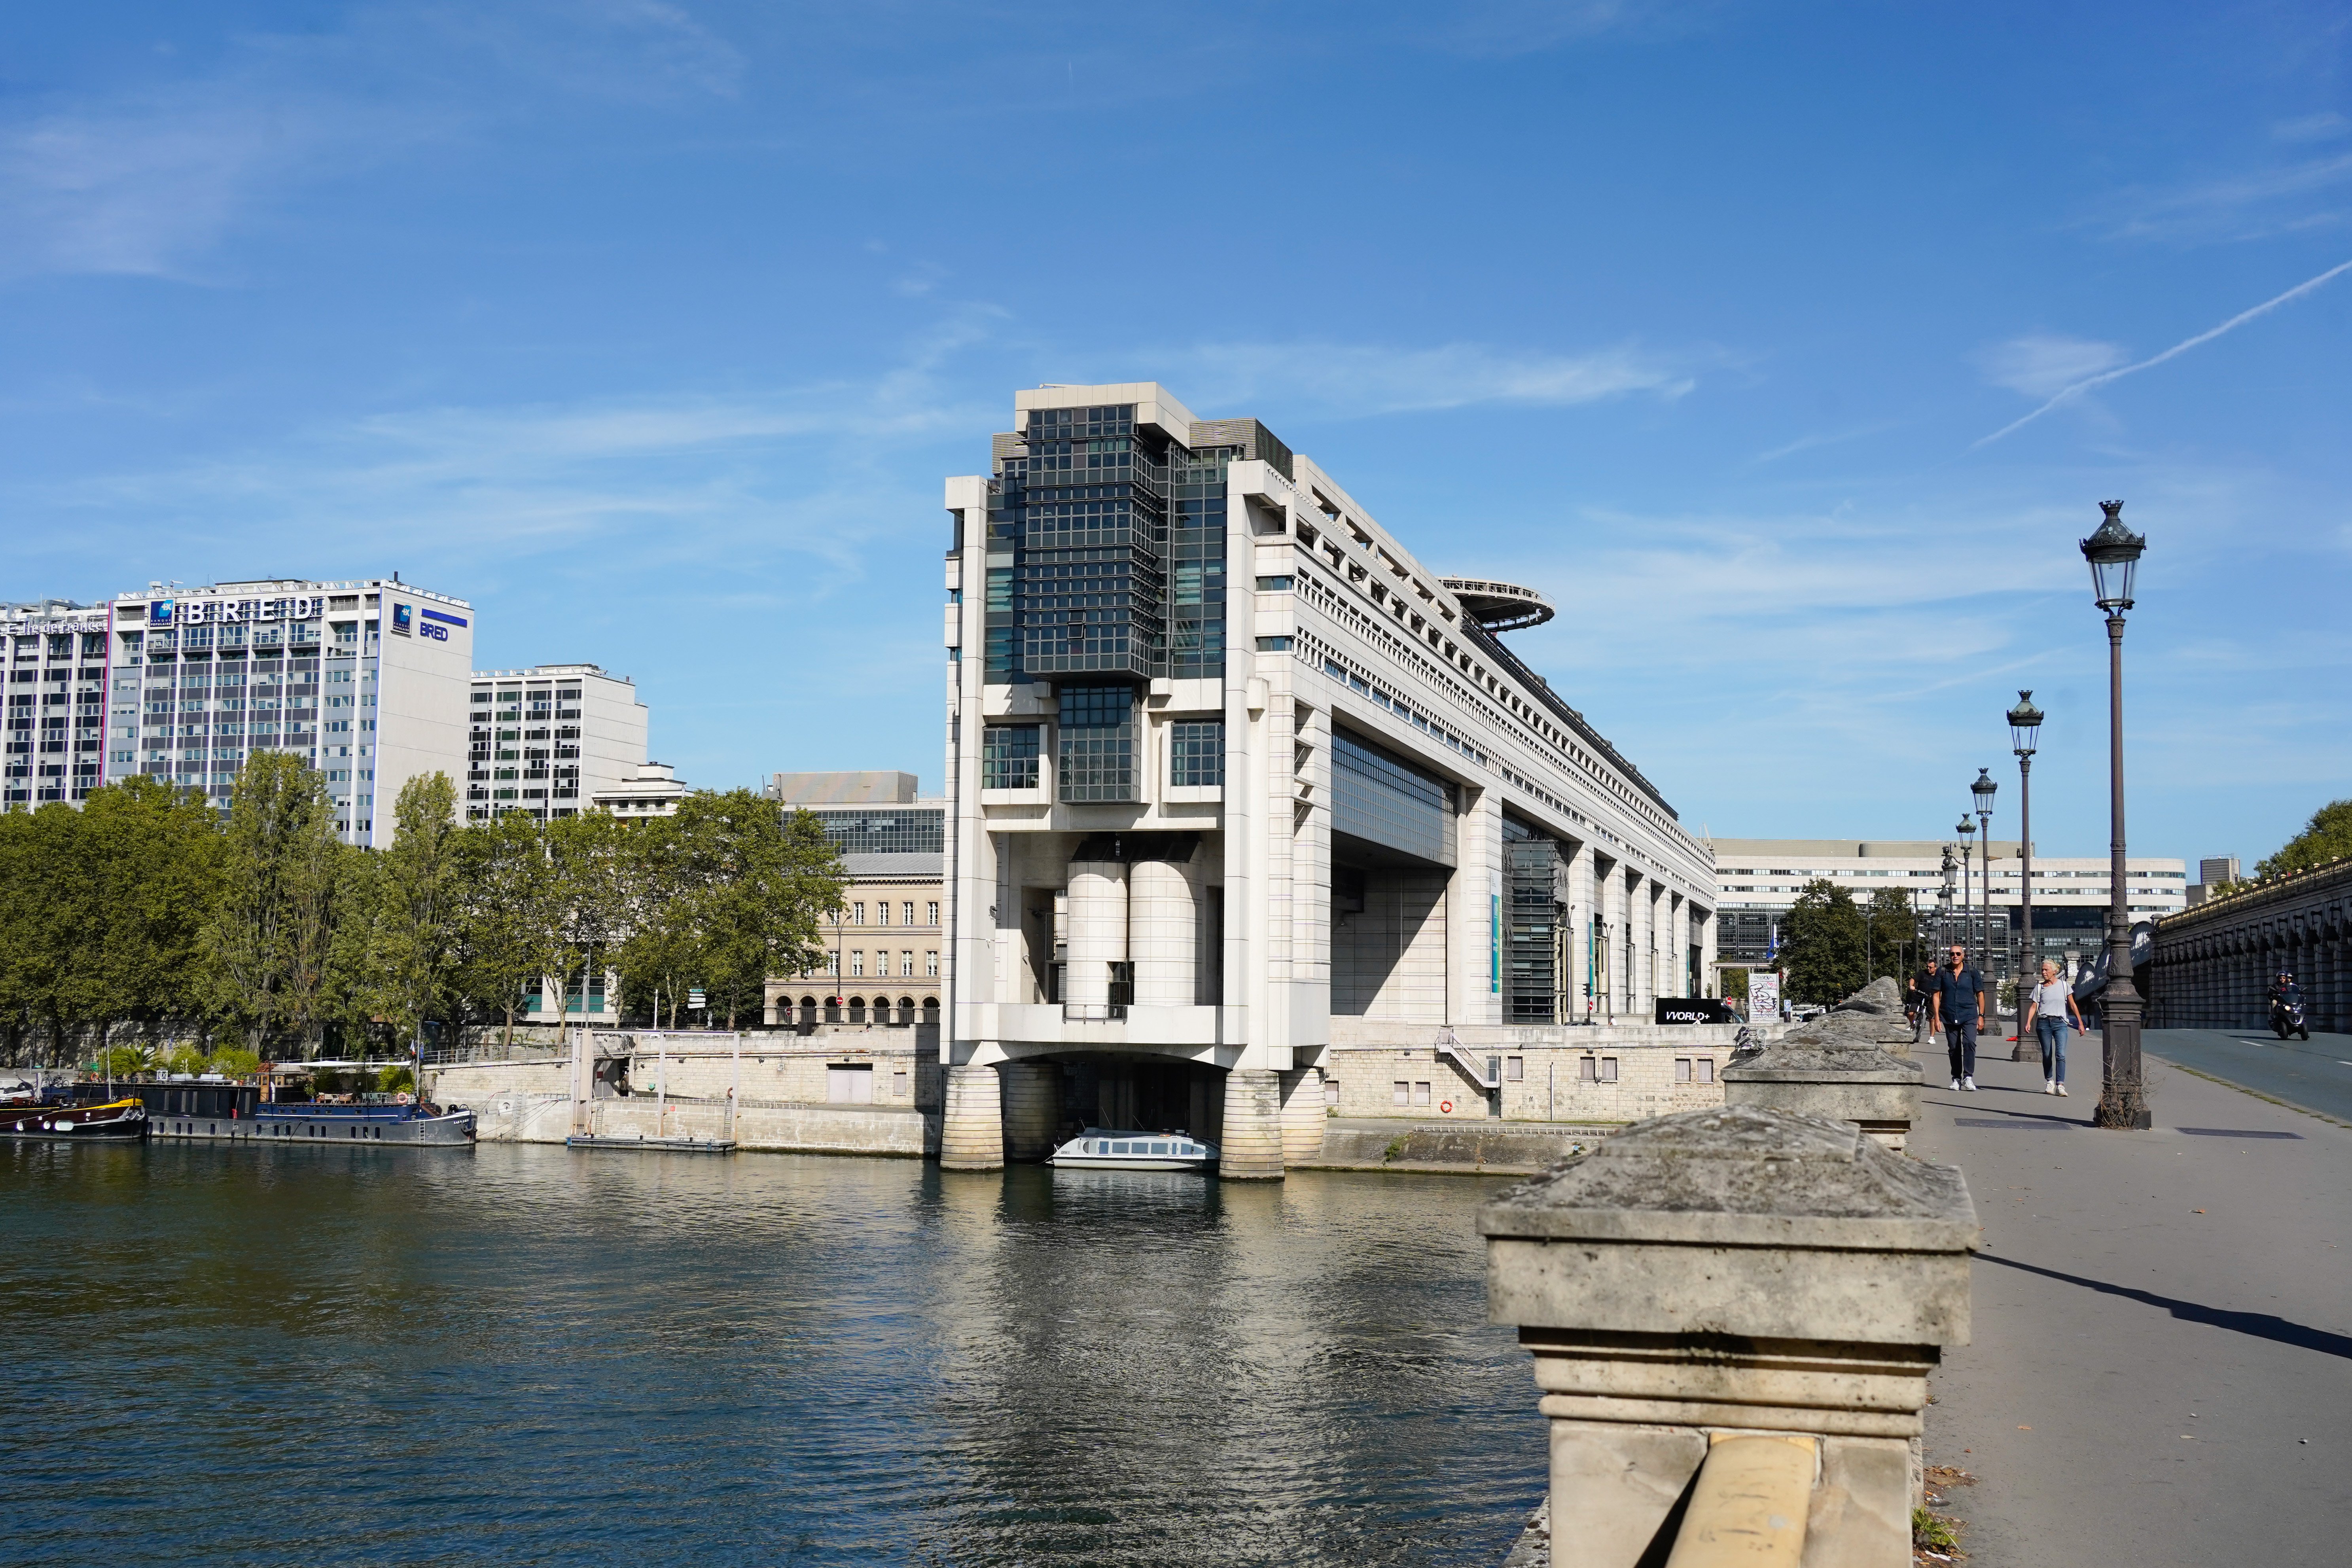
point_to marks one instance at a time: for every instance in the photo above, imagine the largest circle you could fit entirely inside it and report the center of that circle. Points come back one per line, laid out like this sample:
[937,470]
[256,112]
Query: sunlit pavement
[2161,1370]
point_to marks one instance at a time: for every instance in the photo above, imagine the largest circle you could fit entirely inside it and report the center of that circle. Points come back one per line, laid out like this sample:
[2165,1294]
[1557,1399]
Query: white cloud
[2250,205]
[2040,364]
[1352,380]
[2322,127]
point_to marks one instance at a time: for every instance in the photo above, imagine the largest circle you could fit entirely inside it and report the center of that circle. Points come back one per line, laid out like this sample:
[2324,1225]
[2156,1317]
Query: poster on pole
[1763,995]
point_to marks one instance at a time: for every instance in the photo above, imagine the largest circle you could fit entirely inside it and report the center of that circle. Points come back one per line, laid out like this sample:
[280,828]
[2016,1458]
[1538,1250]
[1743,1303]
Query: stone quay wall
[2213,966]
[1602,1073]
[677,1086]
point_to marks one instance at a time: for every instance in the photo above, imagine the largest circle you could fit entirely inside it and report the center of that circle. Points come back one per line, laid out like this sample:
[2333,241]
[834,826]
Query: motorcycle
[2286,1018]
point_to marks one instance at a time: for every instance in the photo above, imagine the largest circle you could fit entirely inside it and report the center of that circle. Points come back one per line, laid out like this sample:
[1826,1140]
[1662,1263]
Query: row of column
[2224,983]
[1010,1111]
[1646,939]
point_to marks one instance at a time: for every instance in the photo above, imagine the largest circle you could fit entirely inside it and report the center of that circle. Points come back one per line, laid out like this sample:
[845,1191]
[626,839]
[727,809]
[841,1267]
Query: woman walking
[2046,1015]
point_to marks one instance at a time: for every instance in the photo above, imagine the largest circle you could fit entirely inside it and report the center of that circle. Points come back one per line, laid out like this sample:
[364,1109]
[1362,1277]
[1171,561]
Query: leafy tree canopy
[2327,837]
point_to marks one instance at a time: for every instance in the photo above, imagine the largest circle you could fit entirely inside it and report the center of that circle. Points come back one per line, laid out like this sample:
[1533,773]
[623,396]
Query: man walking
[2046,1015]
[1958,1004]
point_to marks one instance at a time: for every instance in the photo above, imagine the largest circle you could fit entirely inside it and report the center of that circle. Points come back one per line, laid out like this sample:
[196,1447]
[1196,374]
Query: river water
[529,1354]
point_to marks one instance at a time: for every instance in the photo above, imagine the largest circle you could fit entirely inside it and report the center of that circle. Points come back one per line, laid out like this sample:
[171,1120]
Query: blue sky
[652,328]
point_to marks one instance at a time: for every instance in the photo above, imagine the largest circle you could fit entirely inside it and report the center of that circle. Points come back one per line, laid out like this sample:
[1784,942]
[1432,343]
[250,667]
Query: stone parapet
[1732,1273]
[1836,1067]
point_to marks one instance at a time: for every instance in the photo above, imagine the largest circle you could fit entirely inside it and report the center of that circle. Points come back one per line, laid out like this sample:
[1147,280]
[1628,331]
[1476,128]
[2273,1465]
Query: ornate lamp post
[1967,832]
[2114,552]
[2024,734]
[1983,790]
[1944,907]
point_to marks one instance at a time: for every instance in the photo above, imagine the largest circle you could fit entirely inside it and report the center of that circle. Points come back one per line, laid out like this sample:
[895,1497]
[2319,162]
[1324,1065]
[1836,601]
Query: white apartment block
[547,740]
[57,665]
[1239,788]
[1760,879]
[363,680]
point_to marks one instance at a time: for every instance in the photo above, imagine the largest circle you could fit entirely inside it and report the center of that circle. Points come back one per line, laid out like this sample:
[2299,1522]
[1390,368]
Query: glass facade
[1533,965]
[1097,744]
[1196,753]
[884,830]
[1384,800]
[1107,545]
[1008,756]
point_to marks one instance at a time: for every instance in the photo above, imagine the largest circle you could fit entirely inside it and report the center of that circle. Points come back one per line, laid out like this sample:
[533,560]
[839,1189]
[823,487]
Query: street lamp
[1967,832]
[1983,790]
[2114,552]
[2024,734]
[1944,906]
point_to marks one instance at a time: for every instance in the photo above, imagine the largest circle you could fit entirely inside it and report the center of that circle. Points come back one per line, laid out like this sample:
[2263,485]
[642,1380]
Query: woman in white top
[2045,1013]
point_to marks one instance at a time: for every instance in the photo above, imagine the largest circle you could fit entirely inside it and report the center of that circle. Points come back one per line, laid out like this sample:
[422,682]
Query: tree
[586,908]
[505,896]
[2326,837]
[1822,945]
[1892,934]
[412,965]
[268,938]
[150,856]
[760,882]
[662,953]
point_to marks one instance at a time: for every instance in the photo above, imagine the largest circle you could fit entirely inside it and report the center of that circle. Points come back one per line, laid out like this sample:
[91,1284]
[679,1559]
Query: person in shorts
[1958,1003]
[2046,1015]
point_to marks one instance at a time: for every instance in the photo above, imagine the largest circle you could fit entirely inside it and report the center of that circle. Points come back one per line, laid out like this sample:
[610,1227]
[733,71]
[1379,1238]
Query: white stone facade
[1346,862]
[548,740]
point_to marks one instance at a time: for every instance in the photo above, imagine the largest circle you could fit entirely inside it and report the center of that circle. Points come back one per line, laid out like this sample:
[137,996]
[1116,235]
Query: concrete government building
[1253,819]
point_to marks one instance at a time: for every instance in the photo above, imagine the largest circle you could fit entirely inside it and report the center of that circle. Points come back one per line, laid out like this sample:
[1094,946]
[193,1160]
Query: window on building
[1682,1069]
[882,912]
[1609,1069]
[931,964]
[1008,756]
[1706,1069]
[857,913]
[1403,1092]
[1421,1094]
[1097,744]
[1330,1091]
[1196,753]
[1515,1070]
[899,1085]
[931,914]
[906,913]
[1588,1070]
[857,961]
[833,965]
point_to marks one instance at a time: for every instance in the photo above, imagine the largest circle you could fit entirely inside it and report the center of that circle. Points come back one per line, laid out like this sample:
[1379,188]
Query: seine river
[534,1355]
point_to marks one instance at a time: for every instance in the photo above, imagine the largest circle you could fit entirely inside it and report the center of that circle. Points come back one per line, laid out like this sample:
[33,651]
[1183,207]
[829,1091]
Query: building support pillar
[1250,1148]
[1032,1096]
[971,1131]
[1303,1116]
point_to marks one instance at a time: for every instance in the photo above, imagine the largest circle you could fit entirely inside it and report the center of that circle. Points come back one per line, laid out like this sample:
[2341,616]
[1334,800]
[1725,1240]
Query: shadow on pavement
[2261,1325]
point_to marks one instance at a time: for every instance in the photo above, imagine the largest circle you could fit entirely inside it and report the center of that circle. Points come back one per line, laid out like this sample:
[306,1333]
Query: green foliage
[184,1058]
[271,937]
[2326,837]
[505,901]
[237,1061]
[1821,944]
[393,1079]
[1932,1530]
[414,900]
[125,1061]
[1893,933]
[1734,985]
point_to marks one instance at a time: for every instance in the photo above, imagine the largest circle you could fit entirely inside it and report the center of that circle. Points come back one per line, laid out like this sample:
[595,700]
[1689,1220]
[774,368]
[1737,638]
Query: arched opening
[931,1011]
[808,1009]
[906,1010]
[858,1009]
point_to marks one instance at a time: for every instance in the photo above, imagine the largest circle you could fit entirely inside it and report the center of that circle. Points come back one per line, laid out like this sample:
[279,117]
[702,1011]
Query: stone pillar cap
[1809,1063]
[1742,1176]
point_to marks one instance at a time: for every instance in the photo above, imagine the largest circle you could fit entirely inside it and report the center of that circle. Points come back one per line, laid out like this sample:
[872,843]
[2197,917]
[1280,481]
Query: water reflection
[279,1354]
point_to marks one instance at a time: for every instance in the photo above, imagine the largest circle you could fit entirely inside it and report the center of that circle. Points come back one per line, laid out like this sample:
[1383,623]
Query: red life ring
[1446,1108]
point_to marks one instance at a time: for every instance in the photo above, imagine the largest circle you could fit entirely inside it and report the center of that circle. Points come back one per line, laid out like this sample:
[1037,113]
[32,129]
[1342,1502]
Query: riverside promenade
[2161,1371]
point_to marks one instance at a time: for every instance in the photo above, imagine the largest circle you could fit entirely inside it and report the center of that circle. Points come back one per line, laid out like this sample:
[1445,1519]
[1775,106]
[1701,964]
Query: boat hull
[1113,1163]
[119,1120]
[348,1127]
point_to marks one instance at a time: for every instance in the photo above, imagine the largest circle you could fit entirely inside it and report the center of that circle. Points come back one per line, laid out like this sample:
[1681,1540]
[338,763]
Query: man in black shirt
[1958,1004]
[1922,998]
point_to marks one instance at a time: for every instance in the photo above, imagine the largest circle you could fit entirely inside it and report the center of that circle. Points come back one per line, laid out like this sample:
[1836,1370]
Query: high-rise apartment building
[546,741]
[363,680]
[58,664]
[1247,801]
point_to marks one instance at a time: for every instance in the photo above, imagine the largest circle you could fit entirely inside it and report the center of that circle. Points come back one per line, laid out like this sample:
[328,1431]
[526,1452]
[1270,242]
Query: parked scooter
[2286,1018]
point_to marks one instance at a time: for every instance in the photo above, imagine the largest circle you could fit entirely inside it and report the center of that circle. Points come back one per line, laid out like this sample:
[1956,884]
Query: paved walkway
[2162,1365]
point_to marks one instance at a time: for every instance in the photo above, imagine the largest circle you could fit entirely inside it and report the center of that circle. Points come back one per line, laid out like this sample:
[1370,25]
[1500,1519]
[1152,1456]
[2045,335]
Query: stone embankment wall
[1607,1073]
[677,1086]
[2213,964]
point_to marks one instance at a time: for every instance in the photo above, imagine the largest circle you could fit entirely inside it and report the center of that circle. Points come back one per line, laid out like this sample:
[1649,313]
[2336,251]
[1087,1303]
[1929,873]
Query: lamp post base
[2123,1112]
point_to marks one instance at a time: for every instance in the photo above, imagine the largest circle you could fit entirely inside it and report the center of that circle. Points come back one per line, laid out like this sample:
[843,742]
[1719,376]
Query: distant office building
[2216,869]
[546,741]
[652,789]
[363,680]
[57,677]
[882,947]
[842,789]
[1760,879]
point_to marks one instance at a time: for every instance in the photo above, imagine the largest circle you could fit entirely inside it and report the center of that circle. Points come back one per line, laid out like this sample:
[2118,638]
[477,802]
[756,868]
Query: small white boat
[1100,1149]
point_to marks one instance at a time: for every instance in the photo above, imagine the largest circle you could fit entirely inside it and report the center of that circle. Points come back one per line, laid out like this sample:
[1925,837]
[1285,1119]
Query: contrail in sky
[2240,320]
